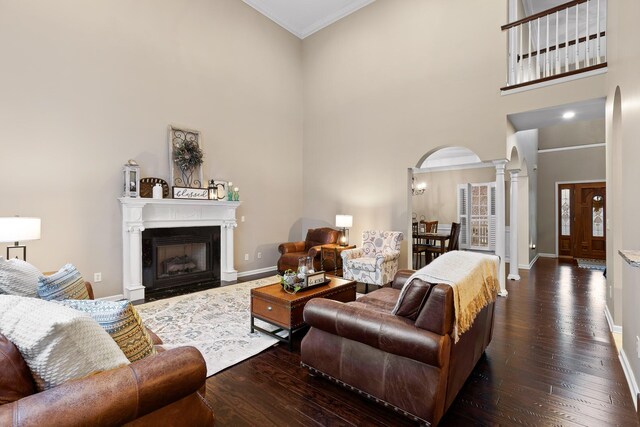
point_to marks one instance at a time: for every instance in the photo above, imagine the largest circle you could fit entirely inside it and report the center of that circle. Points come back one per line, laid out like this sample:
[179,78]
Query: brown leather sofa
[291,251]
[407,361]
[165,389]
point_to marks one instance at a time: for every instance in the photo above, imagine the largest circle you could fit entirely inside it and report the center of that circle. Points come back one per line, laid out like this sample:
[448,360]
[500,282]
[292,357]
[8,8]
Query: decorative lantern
[131,175]
[213,190]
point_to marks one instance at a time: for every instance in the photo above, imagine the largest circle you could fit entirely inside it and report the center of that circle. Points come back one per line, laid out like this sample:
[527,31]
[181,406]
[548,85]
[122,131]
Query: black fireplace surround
[175,257]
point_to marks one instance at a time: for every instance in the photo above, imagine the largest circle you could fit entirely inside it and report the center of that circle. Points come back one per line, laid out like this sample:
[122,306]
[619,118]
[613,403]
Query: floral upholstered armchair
[376,262]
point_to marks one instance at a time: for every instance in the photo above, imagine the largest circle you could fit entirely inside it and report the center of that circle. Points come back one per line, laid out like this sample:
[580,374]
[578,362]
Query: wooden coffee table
[273,305]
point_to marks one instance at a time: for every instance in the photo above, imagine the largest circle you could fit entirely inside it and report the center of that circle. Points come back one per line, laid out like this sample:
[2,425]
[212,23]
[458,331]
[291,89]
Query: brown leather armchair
[291,251]
[165,389]
[406,361]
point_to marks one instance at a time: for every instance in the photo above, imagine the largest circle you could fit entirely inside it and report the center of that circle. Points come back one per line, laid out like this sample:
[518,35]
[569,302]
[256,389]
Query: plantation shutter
[463,215]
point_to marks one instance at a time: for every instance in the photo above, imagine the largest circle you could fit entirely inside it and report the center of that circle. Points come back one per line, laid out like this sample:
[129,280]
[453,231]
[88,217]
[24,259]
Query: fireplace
[173,257]
[140,215]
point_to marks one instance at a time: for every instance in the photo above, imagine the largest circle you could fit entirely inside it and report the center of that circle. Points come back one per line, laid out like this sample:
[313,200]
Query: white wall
[88,85]
[382,90]
[623,154]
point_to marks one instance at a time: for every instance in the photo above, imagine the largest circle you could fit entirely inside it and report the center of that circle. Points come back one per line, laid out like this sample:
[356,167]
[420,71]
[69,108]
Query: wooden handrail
[543,13]
[556,76]
[561,45]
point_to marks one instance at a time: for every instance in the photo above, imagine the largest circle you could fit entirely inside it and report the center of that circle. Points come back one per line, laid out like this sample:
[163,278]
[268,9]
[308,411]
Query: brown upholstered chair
[407,361]
[166,387]
[292,251]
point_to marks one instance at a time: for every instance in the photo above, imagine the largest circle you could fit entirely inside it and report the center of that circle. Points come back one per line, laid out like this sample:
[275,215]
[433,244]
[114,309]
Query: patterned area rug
[215,321]
[593,264]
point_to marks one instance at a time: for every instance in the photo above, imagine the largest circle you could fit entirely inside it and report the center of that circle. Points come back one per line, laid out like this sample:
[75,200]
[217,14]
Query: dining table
[439,237]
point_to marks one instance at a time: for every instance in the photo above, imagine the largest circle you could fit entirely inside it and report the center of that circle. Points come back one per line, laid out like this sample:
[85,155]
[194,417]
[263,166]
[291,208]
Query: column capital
[500,165]
[514,174]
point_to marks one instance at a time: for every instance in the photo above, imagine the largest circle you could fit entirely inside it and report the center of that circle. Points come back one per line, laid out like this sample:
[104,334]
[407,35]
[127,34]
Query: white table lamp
[345,222]
[16,229]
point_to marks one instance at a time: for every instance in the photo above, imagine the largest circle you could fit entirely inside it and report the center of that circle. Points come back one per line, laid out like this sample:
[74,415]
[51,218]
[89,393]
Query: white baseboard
[530,265]
[543,255]
[631,379]
[616,329]
[257,271]
[524,266]
[117,297]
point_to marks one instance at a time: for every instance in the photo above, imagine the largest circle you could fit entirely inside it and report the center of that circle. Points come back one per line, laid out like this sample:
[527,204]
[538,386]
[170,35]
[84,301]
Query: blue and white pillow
[66,283]
[122,322]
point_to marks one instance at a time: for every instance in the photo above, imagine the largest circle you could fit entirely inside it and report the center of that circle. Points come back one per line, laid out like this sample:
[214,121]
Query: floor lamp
[16,229]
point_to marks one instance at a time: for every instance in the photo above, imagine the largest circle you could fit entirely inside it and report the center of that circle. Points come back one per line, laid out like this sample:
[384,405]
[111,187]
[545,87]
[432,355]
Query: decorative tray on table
[294,283]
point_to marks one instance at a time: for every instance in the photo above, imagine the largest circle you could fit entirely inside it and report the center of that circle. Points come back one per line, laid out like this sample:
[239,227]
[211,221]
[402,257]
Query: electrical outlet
[638,346]
[97,277]
[259,255]
[246,257]
[242,218]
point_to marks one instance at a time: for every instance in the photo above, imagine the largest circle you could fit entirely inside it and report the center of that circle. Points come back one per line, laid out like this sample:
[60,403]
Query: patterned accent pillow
[121,320]
[58,343]
[67,283]
[18,277]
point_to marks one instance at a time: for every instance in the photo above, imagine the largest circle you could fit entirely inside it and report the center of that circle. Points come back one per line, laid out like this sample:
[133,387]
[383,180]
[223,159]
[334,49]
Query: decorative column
[229,273]
[513,233]
[500,223]
[132,228]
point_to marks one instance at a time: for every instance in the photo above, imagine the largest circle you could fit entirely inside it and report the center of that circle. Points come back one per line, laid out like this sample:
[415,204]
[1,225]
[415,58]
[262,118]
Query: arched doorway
[440,190]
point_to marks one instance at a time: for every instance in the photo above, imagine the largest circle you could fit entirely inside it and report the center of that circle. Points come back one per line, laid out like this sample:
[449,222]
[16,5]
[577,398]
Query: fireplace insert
[175,257]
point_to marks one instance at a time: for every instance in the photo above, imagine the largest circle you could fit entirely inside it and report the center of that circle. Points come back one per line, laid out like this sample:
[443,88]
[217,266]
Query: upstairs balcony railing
[559,42]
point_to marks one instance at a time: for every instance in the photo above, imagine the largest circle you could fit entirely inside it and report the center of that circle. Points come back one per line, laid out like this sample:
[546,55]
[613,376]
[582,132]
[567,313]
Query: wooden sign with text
[190,193]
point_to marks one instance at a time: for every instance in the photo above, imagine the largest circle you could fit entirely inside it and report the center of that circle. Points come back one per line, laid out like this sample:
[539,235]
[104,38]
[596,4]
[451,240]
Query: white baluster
[587,52]
[566,41]
[529,42]
[557,67]
[521,52]
[538,51]
[598,53]
[547,69]
[577,58]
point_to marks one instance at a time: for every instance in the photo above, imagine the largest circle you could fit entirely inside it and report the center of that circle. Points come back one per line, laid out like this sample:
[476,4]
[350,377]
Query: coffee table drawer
[274,312]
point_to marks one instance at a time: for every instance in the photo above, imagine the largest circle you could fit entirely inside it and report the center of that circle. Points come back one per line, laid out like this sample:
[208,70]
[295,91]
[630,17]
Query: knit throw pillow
[67,283]
[121,320]
[18,277]
[57,343]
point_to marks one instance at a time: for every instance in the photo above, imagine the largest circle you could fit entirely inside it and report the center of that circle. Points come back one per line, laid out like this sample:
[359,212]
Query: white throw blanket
[473,278]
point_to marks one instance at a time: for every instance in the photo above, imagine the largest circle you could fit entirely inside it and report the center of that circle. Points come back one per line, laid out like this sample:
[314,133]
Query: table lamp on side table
[16,229]
[345,222]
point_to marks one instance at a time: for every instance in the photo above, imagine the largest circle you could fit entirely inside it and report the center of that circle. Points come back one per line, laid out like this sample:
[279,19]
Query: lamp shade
[344,221]
[19,228]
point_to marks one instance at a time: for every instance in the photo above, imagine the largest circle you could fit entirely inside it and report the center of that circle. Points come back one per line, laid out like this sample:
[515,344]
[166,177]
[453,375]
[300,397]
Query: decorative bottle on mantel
[236,194]
[230,191]
[157,191]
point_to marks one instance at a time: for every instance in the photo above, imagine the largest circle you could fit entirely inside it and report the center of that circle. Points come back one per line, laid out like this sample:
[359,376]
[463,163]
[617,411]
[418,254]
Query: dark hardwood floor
[552,361]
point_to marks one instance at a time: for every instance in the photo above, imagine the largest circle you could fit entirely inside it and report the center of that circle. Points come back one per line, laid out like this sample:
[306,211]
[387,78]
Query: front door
[581,221]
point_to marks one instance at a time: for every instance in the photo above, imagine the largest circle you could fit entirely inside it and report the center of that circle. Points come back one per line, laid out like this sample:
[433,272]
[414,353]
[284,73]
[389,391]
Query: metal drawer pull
[269,308]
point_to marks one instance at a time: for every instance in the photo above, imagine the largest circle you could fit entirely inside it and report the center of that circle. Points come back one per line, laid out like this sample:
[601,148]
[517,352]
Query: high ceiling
[305,17]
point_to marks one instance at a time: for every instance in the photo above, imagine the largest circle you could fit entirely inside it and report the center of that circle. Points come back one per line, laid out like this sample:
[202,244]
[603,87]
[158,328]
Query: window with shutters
[477,216]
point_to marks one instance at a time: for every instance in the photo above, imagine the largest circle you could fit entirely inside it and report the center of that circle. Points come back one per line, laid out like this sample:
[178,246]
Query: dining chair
[452,244]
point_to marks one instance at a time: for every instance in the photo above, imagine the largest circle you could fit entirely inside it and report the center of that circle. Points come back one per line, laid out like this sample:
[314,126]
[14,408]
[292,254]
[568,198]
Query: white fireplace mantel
[139,214]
